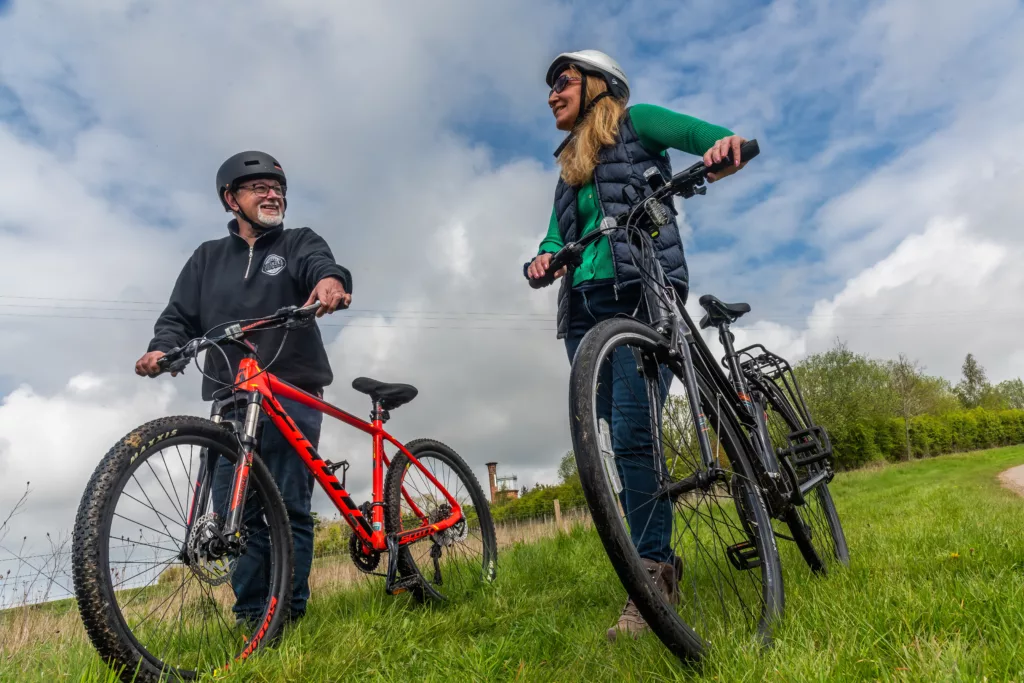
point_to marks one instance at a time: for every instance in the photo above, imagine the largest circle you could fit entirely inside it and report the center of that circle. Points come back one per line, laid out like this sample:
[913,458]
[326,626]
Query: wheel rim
[459,559]
[176,606]
[716,597]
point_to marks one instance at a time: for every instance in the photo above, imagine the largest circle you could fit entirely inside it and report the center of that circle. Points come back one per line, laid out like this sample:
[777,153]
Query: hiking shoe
[666,579]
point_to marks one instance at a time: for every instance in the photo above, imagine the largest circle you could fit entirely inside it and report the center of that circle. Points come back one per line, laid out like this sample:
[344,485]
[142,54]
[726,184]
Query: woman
[608,147]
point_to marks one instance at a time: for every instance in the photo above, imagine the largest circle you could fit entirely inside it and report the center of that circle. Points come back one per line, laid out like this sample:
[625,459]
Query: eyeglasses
[262,189]
[562,82]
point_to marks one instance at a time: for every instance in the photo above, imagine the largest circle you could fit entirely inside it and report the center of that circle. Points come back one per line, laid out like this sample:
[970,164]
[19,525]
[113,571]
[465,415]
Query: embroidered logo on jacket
[273,264]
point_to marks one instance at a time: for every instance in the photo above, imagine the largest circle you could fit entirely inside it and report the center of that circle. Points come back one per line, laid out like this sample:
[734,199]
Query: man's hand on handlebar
[148,365]
[724,148]
[331,294]
[539,267]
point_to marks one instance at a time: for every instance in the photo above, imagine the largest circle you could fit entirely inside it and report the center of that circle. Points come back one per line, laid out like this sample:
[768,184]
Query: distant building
[500,489]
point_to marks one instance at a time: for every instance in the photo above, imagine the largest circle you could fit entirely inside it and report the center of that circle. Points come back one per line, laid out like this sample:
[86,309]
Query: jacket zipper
[249,264]
[611,244]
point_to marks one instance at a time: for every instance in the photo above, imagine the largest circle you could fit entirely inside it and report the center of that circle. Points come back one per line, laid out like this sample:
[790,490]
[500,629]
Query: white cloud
[56,440]
[113,190]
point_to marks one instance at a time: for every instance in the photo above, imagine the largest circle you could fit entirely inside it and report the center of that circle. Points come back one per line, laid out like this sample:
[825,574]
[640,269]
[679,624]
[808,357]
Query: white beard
[269,221]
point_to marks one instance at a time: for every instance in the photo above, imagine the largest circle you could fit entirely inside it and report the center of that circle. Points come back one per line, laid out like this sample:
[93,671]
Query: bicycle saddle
[390,395]
[719,312]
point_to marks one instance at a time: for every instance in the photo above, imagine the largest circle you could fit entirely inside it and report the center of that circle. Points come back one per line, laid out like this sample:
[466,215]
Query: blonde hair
[600,127]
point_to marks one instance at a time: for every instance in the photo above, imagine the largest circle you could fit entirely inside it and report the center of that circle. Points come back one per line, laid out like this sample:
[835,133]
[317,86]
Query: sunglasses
[562,82]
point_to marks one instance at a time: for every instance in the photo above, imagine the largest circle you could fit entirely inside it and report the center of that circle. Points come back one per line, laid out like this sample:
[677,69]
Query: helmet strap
[583,98]
[584,110]
[256,225]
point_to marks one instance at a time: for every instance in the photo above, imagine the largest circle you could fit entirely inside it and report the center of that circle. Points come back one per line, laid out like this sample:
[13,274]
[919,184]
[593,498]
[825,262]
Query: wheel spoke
[179,617]
[617,377]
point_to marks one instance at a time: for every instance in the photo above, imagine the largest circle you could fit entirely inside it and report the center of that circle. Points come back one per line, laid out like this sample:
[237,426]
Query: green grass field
[935,593]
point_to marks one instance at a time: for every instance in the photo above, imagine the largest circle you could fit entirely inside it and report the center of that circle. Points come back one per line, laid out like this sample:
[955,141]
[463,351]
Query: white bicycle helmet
[592,62]
[595,62]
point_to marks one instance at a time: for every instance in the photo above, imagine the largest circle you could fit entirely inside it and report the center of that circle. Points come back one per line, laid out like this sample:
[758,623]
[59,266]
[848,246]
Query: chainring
[363,562]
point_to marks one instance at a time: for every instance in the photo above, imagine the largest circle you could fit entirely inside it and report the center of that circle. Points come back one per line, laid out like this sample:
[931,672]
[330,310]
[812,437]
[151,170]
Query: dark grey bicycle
[730,447]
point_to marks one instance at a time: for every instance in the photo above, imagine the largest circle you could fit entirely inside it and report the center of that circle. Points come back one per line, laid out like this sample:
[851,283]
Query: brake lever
[301,317]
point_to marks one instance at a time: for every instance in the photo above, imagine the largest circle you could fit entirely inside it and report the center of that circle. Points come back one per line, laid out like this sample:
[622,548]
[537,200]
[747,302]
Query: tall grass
[935,592]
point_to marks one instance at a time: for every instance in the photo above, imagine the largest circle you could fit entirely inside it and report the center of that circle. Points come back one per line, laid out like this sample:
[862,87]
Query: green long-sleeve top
[659,129]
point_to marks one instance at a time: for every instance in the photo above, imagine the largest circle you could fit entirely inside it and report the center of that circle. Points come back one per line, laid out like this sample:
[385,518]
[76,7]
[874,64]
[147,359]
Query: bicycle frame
[689,350]
[747,407]
[262,390]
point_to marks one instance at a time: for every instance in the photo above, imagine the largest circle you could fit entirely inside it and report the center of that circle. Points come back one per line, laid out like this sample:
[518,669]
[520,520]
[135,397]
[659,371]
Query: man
[256,269]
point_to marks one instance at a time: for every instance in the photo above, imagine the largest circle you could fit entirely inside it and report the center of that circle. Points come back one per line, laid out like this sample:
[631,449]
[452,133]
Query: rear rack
[809,444]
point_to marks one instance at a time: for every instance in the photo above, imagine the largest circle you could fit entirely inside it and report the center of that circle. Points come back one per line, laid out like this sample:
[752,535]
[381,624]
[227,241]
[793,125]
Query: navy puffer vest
[620,165]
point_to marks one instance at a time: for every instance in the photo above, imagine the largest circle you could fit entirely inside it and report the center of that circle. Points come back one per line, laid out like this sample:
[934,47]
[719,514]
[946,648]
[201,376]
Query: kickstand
[435,555]
[394,584]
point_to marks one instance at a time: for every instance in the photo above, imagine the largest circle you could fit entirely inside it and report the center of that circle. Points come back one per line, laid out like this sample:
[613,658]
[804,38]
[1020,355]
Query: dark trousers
[623,402]
[251,576]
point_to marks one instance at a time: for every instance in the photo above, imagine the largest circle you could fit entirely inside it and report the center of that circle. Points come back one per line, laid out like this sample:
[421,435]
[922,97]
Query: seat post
[726,336]
[739,381]
[379,412]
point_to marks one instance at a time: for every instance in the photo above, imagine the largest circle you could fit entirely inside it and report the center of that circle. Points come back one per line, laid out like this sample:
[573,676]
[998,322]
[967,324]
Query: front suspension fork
[240,481]
[203,494]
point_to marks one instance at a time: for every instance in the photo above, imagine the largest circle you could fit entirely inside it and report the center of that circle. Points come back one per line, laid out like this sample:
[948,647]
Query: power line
[388,312]
[444,315]
[410,324]
[407,319]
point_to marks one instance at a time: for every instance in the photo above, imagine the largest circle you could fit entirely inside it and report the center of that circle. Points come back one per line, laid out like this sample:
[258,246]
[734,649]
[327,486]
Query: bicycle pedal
[394,584]
[743,556]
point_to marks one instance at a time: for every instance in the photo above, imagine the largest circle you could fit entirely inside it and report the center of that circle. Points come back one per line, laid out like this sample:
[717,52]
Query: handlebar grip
[173,361]
[748,150]
[537,283]
[558,261]
[542,282]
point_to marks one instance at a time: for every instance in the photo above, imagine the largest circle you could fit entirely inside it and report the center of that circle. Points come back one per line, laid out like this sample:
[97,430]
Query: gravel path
[1013,479]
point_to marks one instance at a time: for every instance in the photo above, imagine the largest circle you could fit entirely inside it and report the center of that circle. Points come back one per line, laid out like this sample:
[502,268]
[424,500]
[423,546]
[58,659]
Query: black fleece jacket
[226,280]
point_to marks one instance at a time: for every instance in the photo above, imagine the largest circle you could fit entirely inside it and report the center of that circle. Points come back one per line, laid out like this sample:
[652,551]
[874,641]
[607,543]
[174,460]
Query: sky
[884,209]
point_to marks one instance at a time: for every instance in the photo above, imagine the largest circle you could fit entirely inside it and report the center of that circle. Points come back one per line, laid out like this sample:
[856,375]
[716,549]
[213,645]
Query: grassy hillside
[935,593]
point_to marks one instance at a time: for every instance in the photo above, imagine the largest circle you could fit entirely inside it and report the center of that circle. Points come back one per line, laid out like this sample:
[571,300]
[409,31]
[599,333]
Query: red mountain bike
[155,548]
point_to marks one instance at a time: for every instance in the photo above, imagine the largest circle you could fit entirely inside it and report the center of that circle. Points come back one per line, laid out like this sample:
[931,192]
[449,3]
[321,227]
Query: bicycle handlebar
[178,358]
[685,183]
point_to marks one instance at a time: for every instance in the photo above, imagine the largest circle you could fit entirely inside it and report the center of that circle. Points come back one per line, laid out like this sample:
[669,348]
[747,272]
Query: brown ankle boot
[666,579]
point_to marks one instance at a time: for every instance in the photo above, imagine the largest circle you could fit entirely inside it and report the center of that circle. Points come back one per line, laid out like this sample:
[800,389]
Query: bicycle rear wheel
[815,524]
[155,599]
[459,560]
[716,536]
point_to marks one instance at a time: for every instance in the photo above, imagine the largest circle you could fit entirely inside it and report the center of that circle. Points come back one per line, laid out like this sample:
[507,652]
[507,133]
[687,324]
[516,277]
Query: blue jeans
[251,577]
[623,402]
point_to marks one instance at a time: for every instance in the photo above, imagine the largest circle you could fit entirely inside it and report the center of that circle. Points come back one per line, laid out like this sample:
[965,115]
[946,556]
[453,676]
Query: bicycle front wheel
[153,576]
[634,438]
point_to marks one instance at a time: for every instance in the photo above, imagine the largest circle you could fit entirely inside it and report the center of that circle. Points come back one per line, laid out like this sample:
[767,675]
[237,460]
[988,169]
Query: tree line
[893,410]
[874,410]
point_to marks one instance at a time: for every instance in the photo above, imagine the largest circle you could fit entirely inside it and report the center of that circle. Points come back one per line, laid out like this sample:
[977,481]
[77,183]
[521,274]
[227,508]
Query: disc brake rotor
[208,558]
[456,533]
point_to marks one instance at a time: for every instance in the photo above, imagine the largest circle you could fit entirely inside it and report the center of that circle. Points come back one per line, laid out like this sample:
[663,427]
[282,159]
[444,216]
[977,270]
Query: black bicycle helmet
[246,166]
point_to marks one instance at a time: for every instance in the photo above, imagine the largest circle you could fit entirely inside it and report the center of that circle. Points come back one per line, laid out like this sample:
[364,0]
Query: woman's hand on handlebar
[724,148]
[539,267]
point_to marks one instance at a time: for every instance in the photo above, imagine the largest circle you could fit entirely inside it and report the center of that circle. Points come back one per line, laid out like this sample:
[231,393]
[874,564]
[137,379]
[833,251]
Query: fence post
[558,515]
